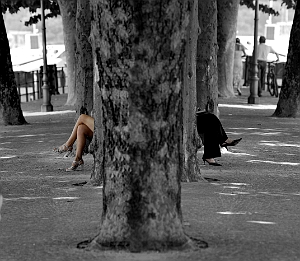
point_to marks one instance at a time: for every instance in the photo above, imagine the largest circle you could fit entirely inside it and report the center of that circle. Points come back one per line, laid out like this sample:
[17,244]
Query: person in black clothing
[213,136]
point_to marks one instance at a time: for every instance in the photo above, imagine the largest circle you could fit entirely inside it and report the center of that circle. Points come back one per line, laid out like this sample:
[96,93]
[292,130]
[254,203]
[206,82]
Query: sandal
[76,165]
[63,148]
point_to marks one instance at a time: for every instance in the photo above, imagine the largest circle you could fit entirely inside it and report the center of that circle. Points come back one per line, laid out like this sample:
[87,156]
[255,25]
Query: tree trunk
[289,98]
[84,59]
[68,13]
[227,24]
[98,142]
[191,140]
[139,50]
[207,46]
[10,104]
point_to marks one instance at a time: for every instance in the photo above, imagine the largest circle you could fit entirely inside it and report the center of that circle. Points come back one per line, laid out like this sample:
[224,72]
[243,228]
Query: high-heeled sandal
[76,165]
[211,163]
[233,143]
[63,148]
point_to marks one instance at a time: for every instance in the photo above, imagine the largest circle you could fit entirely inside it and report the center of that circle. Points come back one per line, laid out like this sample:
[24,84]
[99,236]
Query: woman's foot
[211,161]
[239,92]
[230,142]
[63,148]
[76,165]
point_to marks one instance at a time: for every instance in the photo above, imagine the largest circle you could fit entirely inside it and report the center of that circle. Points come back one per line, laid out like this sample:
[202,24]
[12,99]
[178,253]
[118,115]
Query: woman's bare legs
[83,129]
[83,132]
[85,120]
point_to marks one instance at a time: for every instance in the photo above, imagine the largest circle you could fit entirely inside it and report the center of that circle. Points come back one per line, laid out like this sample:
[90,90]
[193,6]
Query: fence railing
[29,84]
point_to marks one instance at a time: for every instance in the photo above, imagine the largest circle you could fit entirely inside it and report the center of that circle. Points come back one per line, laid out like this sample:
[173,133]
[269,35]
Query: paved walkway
[249,209]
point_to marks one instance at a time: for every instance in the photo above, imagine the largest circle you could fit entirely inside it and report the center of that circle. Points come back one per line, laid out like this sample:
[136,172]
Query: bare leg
[83,132]
[83,129]
[83,119]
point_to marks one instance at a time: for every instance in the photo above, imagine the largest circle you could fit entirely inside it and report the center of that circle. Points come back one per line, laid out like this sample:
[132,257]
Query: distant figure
[238,65]
[263,51]
[213,136]
[83,130]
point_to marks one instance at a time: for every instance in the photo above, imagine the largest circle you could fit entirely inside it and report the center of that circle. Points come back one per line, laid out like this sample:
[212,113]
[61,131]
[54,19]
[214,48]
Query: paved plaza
[246,210]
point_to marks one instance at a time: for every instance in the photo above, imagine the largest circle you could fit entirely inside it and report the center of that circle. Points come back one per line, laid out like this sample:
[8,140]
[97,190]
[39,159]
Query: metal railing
[29,84]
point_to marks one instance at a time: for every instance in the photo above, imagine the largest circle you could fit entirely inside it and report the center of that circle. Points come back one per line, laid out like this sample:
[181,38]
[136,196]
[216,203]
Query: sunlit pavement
[39,113]
[247,209]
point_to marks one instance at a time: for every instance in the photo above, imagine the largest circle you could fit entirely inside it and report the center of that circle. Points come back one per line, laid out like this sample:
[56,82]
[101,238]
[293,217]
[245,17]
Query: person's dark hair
[237,40]
[262,39]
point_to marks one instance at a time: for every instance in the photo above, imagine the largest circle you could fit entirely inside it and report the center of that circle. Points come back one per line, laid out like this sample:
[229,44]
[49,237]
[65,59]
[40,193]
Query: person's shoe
[76,165]
[63,148]
[233,143]
[239,92]
[213,163]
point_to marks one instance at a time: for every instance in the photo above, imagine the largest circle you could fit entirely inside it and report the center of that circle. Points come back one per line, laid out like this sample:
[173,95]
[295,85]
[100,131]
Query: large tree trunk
[227,24]
[207,46]
[10,105]
[98,143]
[68,13]
[289,99]
[84,59]
[191,140]
[84,78]
[139,50]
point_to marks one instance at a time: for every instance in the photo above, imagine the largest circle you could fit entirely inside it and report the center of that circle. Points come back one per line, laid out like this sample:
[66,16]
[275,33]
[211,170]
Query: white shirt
[263,50]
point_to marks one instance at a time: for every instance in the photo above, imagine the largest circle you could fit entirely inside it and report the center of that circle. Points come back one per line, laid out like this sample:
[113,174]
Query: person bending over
[213,136]
[83,129]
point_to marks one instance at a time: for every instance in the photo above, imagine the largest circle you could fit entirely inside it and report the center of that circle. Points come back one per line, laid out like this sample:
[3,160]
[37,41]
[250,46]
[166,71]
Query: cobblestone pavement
[248,209]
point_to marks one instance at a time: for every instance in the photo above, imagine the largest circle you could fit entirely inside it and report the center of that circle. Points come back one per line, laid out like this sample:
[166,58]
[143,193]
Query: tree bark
[98,139]
[84,59]
[227,24]
[207,47]
[139,51]
[289,98]
[191,140]
[68,13]
[10,104]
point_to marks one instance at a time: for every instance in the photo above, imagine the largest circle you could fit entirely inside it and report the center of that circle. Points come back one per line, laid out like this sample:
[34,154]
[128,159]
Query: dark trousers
[212,134]
[262,68]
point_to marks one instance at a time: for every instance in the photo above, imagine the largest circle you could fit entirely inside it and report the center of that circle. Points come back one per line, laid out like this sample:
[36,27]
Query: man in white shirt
[263,51]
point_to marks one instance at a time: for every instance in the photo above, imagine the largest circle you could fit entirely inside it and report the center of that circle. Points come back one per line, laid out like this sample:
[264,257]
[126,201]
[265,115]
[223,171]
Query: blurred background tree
[16,22]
